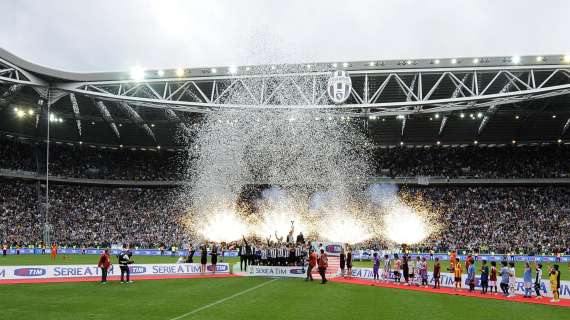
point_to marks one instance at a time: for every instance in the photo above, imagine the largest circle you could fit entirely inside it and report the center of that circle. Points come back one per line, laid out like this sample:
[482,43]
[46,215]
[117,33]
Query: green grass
[279,299]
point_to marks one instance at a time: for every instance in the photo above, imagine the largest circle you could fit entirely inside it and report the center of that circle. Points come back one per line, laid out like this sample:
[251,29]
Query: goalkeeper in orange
[53,252]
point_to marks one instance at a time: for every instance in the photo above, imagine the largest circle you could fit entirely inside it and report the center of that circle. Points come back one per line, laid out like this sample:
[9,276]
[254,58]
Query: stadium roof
[491,100]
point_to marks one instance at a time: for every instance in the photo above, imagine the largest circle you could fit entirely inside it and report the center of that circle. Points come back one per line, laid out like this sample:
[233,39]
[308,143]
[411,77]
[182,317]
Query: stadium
[427,188]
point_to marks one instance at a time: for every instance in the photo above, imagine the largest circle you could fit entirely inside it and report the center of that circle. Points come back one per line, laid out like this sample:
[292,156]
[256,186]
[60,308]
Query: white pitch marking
[223,300]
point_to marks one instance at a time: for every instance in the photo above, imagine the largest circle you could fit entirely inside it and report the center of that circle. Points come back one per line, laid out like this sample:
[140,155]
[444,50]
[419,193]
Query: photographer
[124,261]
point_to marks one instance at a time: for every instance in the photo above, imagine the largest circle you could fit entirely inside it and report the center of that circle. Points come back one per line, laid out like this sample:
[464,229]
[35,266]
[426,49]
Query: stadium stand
[530,220]
[524,161]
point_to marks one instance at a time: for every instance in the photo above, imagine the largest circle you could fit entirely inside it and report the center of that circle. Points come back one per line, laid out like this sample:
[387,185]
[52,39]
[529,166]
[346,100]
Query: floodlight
[137,73]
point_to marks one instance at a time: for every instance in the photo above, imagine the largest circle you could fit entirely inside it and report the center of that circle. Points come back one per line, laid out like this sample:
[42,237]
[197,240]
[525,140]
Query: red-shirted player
[312,264]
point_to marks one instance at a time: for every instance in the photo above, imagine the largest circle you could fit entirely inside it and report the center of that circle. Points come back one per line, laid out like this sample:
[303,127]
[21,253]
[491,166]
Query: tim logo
[333,248]
[296,271]
[219,268]
[29,272]
[137,269]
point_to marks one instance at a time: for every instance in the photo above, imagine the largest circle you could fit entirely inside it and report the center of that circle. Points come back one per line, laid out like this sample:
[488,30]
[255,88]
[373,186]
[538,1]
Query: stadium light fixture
[400,116]
[553,116]
[345,64]
[372,63]
[160,73]
[401,143]
[334,65]
[475,142]
[516,59]
[137,73]
[430,118]
[120,146]
[16,109]
[409,62]
[436,61]
[559,140]
[20,113]
[179,72]
[476,60]
[437,115]
[214,70]
[462,115]
[31,112]
[438,142]
[233,69]
[453,61]
[566,58]
[158,147]
[539,59]
[514,141]
[152,125]
[80,142]
[479,115]
[517,117]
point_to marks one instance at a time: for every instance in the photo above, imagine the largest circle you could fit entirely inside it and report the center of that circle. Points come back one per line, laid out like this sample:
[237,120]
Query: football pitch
[241,298]
[249,298]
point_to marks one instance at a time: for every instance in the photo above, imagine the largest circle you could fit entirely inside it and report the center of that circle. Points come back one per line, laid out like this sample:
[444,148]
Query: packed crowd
[487,220]
[474,161]
[530,220]
[92,163]
[125,164]
[89,216]
[503,220]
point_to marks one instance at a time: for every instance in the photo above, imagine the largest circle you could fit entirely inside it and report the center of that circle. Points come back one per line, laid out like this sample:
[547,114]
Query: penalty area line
[224,299]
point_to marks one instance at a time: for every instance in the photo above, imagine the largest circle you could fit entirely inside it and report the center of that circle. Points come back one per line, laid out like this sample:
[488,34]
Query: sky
[112,35]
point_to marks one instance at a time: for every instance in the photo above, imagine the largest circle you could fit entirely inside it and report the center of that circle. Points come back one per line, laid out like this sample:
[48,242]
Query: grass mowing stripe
[224,299]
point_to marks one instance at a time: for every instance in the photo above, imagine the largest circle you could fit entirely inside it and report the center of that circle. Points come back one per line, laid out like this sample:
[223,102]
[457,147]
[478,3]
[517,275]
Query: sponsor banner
[447,280]
[82,271]
[331,248]
[137,252]
[269,271]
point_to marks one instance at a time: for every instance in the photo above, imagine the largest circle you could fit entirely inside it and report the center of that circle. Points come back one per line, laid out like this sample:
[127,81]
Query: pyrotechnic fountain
[307,152]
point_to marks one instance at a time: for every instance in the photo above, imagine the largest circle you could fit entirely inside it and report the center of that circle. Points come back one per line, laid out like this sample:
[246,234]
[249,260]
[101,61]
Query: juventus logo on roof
[339,86]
